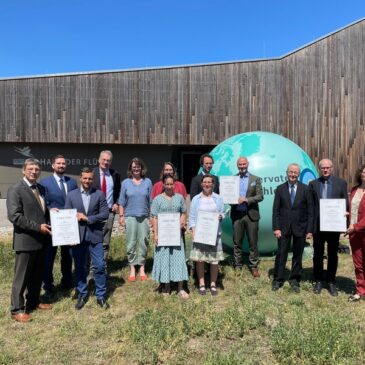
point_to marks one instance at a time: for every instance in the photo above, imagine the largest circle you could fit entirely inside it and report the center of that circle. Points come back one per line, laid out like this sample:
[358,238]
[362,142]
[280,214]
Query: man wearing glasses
[326,186]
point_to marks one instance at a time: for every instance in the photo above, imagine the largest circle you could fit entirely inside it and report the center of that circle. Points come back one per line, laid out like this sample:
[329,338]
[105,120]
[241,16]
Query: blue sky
[61,36]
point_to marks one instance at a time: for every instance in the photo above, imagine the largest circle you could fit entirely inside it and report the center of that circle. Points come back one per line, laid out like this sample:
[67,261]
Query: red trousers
[357,242]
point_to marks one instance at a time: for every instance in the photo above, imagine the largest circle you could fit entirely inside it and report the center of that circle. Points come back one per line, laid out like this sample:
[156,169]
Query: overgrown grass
[246,324]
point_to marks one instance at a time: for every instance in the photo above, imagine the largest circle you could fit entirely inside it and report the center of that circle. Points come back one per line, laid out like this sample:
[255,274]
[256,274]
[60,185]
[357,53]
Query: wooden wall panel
[315,96]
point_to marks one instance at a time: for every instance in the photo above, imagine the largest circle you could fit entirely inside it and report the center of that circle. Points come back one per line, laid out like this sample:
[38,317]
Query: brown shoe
[255,273]
[44,306]
[21,317]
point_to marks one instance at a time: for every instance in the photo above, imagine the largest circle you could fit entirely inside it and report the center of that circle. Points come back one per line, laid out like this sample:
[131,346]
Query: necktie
[324,191]
[62,186]
[103,184]
[292,194]
[37,196]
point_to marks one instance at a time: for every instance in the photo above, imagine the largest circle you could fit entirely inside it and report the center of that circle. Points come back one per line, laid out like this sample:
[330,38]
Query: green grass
[246,324]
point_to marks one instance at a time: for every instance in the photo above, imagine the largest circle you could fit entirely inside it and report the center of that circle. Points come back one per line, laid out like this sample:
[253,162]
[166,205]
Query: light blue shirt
[243,191]
[85,195]
[194,206]
[135,199]
[109,186]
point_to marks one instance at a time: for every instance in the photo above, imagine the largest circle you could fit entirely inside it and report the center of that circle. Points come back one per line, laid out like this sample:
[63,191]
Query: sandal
[354,298]
[183,294]
[202,290]
[131,278]
[143,277]
[213,290]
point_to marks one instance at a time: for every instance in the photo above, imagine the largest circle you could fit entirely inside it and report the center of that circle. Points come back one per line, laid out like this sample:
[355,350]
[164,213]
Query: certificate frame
[65,227]
[332,215]
[169,229]
[206,228]
[229,189]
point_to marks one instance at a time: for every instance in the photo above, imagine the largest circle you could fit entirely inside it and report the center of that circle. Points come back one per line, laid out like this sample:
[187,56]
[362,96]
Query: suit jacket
[196,188]
[339,191]
[98,212]
[27,216]
[297,218]
[360,225]
[54,195]
[116,181]
[254,195]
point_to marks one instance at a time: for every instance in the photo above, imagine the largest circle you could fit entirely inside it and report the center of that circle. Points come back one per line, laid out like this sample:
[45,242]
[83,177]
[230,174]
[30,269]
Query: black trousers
[27,280]
[319,240]
[284,244]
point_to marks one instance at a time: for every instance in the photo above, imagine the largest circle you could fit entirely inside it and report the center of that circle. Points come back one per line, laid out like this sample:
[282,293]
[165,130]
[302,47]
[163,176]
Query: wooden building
[314,96]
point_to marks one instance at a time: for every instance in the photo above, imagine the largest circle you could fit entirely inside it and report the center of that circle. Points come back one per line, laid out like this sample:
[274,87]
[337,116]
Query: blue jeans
[97,261]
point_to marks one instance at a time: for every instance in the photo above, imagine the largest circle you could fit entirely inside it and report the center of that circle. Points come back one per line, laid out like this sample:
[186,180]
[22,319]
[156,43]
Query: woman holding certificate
[168,213]
[356,232]
[206,212]
[134,210]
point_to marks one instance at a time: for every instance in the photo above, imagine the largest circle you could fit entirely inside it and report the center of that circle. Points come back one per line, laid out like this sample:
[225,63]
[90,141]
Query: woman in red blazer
[356,232]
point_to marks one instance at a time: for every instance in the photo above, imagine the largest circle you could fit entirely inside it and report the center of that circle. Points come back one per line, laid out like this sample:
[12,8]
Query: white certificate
[169,230]
[65,227]
[332,215]
[206,228]
[229,189]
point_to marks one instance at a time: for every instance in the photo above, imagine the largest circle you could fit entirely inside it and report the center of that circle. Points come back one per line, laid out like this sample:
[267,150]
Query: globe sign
[269,155]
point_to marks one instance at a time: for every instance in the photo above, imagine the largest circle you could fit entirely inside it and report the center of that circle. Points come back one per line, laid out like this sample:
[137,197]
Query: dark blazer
[27,216]
[116,180]
[339,191]
[97,213]
[54,195]
[196,188]
[254,195]
[297,217]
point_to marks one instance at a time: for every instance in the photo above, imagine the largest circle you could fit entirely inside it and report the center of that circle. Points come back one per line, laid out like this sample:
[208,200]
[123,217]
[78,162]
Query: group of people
[102,194]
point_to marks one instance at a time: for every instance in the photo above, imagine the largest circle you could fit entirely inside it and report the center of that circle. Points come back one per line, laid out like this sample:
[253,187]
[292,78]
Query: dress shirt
[329,187]
[58,179]
[109,186]
[243,191]
[85,195]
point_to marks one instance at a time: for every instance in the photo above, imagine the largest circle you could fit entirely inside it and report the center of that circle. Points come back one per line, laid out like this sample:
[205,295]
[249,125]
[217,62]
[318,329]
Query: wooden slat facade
[315,96]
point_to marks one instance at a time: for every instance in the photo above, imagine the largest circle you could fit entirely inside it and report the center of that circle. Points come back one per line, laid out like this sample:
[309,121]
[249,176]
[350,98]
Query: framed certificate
[169,230]
[332,216]
[206,228]
[65,227]
[229,189]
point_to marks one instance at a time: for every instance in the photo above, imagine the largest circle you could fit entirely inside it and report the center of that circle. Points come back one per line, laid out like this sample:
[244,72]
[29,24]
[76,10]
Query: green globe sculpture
[269,155]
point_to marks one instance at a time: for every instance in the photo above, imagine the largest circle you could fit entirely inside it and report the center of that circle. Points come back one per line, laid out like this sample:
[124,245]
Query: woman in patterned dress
[169,261]
[356,231]
[207,201]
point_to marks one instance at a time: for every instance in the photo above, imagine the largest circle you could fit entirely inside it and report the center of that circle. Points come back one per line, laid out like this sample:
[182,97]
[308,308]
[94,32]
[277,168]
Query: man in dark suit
[108,181]
[245,216]
[292,219]
[28,212]
[57,187]
[206,162]
[326,186]
[92,211]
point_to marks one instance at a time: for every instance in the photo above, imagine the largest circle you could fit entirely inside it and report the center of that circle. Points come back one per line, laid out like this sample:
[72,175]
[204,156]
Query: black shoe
[332,289]
[49,295]
[101,302]
[317,287]
[275,286]
[295,288]
[80,303]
